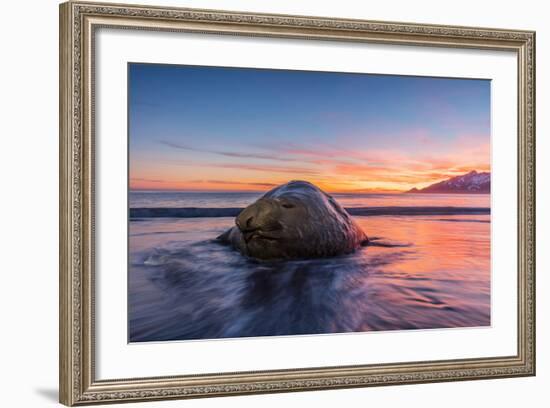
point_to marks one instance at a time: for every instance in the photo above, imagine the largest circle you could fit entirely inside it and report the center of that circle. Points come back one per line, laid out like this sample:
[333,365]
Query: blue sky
[192,126]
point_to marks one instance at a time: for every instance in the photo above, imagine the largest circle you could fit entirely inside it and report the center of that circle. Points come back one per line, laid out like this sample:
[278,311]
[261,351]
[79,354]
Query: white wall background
[28,213]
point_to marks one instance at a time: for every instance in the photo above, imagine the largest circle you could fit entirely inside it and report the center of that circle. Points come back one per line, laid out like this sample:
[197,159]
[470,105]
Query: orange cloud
[333,168]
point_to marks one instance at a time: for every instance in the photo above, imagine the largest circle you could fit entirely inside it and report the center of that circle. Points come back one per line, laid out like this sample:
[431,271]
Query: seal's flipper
[224,237]
[365,242]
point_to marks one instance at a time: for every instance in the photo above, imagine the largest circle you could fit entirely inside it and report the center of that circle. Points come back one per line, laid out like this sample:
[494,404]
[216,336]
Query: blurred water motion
[419,272]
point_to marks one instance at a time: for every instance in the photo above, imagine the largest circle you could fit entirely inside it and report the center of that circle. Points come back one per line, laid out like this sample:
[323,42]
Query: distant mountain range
[472,182]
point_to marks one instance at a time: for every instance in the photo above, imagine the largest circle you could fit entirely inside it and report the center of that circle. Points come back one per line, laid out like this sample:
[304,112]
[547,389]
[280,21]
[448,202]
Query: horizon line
[178,190]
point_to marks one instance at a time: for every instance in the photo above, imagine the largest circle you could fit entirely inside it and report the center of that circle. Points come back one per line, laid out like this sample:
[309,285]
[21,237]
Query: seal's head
[295,220]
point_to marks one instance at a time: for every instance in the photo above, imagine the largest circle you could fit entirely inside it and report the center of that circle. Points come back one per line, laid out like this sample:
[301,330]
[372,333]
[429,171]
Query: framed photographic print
[256,203]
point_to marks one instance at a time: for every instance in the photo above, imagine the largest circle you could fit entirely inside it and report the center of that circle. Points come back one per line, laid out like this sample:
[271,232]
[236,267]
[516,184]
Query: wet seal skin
[296,220]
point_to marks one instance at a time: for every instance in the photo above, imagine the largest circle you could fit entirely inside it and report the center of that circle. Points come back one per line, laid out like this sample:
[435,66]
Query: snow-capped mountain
[472,182]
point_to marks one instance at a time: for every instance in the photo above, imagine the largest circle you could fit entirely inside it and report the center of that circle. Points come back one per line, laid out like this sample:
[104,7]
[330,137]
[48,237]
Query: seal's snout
[253,216]
[258,218]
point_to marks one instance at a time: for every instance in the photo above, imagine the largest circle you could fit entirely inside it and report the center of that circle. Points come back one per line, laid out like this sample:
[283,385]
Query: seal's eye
[288,205]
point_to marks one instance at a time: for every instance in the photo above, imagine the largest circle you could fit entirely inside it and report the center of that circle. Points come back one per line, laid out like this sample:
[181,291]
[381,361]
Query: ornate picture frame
[79,22]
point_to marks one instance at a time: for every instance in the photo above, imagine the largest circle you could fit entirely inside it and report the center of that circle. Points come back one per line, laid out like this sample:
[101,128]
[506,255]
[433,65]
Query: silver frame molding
[78,22]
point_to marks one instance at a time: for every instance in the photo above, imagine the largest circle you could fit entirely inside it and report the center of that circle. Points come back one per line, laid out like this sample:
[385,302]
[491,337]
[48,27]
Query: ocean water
[419,272]
[178,199]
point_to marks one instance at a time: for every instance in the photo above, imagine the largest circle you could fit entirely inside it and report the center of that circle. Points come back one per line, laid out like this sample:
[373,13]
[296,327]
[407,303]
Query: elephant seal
[296,220]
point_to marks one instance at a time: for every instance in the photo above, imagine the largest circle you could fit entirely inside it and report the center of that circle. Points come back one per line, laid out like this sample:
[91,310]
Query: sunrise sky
[224,129]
